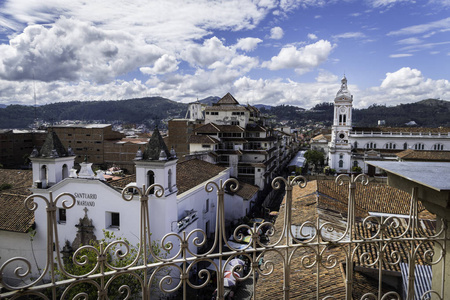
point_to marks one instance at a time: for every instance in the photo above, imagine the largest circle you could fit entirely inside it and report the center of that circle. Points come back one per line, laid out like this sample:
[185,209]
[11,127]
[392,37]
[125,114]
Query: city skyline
[263,52]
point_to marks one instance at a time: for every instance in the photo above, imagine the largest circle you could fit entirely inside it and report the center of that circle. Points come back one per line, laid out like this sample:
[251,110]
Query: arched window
[150,180]
[65,171]
[371,145]
[390,146]
[438,147]
[419,146]
[405,146]
[44,176]
[341,163]
[356,145]
[169,180]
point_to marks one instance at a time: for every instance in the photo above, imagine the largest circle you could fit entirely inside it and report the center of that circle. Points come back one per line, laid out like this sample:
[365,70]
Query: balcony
[325,244]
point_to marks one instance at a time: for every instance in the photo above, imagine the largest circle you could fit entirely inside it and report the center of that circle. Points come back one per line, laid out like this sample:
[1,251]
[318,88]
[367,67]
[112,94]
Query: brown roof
[227,100]
[424,155]
[247,190]
[13,214]
[123,181]
[202,139]
[322,137]
[226,108]
[255,127]
[307,206]
[193,172]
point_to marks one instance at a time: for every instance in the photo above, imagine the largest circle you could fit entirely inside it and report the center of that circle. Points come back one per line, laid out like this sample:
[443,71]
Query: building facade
[353,146]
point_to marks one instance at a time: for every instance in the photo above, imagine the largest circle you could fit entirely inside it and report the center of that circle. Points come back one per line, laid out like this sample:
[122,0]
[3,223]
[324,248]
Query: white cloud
[403,86]
[422,28]
[72,50]
[303,59]
[204,55]
[312,36]
[410,41]
[276,33]
[400,55]
[349,35]
[248,44]
[165,64]
[386,3]
[327,77]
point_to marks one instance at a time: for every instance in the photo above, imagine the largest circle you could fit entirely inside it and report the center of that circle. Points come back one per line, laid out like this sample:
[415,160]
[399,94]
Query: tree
[314,157]
[87,260]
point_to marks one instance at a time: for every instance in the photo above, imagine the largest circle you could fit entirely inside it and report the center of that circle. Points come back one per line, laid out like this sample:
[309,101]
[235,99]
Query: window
[65,171]
[169,180]
[205,146]
[419,146]
[355,163]
[438,147]
[390,146]
[69,134]
[150,180]
[114,220]
[341,163]
[405,146]
[206,206]
[371,145]
[62,216]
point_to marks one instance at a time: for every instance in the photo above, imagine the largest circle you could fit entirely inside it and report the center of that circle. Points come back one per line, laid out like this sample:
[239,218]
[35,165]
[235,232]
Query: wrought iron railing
[174,268]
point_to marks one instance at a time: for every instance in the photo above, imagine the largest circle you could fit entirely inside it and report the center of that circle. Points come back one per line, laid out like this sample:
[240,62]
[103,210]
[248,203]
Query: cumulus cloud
[403,86]
[72,50]
[303,59]
[248,44]
[165,64]
[204,55]
[276,33]
[312,36]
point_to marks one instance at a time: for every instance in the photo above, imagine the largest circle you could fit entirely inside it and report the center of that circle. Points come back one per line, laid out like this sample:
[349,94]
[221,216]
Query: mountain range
[157,110]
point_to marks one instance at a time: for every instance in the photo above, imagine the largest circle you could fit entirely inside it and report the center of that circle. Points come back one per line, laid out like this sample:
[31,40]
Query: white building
[353,146]
[99,205]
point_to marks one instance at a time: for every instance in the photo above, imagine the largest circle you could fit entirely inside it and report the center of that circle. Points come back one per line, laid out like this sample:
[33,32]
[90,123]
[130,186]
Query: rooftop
[437,174]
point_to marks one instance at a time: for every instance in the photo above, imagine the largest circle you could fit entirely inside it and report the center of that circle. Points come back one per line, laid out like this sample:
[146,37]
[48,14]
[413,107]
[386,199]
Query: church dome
[343,93]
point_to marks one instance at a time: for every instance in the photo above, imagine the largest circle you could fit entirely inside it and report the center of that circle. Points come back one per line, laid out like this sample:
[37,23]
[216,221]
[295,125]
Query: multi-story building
[353,146]
[16,145]
[87,140]
[235,136]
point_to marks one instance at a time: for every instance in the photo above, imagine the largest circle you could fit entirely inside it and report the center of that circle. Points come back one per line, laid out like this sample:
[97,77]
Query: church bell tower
[340,148]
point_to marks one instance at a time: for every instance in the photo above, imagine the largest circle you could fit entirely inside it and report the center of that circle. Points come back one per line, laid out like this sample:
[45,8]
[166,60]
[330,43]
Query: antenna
[35,101]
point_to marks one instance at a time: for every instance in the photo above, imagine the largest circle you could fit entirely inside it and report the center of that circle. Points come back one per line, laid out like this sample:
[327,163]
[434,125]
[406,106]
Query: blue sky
[263,52]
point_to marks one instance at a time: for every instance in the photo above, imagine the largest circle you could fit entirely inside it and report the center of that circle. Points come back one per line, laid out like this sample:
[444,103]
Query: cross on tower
[85,211]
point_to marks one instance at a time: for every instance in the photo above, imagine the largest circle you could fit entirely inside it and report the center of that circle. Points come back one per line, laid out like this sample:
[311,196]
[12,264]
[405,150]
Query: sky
[292,52]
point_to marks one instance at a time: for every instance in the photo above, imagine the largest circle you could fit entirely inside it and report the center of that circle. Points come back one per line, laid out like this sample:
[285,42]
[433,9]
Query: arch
[438,147]
[405,146]
[390,145]
[65,171]
[169,180]
[151,180]
[44,176]
[341,163]
[419,146]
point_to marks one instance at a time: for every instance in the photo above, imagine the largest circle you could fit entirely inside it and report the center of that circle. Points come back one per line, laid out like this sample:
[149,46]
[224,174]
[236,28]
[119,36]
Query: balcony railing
[263,253]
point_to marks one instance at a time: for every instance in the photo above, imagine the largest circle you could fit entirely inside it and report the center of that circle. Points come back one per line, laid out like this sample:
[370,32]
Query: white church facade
[98,205]
[353,146]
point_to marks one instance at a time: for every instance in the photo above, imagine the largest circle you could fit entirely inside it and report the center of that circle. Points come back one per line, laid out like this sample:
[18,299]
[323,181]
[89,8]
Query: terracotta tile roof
[246,190]
[207,128]
[424,155]
[123,181]
[193,172]
[308,205]
[13,214]
[371,198]
[303,280]
[228,99]
[202,139]
[255,127]
[322,137]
